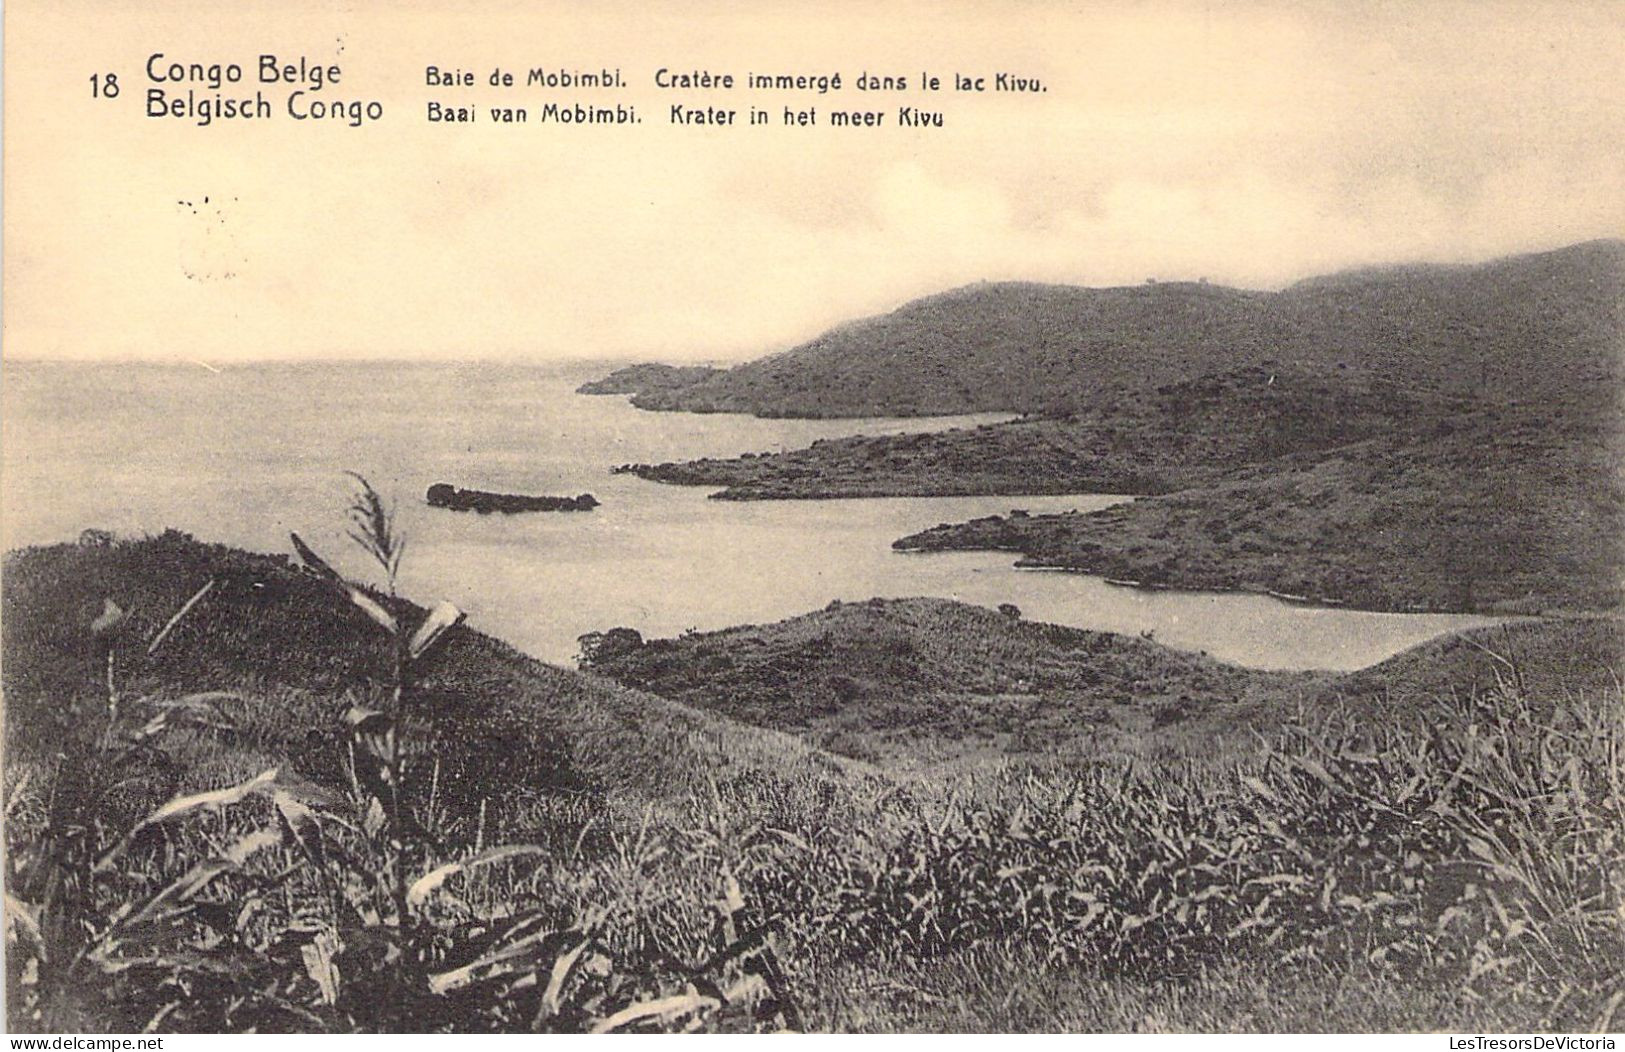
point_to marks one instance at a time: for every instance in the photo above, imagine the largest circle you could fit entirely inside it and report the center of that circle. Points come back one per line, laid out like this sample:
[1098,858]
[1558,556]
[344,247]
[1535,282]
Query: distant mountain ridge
[648,377]
[1537,326]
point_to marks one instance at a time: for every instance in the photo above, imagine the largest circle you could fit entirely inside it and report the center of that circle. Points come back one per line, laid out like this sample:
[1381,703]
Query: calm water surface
[246,454]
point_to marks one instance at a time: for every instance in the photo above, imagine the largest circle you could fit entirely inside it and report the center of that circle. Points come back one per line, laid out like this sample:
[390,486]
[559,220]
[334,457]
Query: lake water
[248,453]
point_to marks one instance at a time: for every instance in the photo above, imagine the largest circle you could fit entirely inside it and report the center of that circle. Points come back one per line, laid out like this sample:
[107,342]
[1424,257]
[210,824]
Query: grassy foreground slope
[679,870]
[1340,779]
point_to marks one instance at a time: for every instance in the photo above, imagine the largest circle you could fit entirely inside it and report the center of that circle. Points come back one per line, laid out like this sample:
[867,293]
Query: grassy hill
[1555,658]
[922,681]
[1172,437]
[1006,346]
[1545,326]
[1492,512]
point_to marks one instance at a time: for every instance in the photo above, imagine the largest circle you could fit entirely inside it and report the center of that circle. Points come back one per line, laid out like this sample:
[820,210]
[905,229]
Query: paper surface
[1121,532]
[1251,144]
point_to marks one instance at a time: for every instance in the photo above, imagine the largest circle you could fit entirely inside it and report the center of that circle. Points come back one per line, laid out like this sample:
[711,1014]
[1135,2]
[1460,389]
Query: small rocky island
[445,495]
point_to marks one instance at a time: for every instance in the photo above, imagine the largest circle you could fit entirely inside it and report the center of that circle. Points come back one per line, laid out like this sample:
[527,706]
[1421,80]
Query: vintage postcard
[997,516]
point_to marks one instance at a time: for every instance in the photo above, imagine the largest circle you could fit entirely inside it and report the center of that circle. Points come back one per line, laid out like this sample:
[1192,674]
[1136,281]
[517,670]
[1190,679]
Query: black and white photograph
[991,517]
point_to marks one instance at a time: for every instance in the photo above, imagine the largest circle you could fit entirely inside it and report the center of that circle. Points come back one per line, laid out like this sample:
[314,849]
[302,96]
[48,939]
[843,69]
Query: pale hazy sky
[1247,143]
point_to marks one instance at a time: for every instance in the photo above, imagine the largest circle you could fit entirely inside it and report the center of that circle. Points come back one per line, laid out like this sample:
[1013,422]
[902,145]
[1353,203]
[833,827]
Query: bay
[245,454]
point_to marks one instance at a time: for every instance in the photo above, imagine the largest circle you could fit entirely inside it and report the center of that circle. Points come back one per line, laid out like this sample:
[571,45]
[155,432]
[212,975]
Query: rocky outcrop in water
[445,495]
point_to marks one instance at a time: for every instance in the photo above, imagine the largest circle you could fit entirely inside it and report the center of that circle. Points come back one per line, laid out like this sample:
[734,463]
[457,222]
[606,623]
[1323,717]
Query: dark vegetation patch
[1172,437]
[1494,513]
[915,681]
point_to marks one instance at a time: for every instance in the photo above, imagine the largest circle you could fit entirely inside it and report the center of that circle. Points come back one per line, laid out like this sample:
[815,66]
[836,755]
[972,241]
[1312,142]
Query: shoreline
[1306,601]
[237,552]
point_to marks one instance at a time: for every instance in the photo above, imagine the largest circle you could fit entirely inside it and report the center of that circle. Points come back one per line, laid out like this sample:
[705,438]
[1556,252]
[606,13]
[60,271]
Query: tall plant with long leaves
[378,745]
